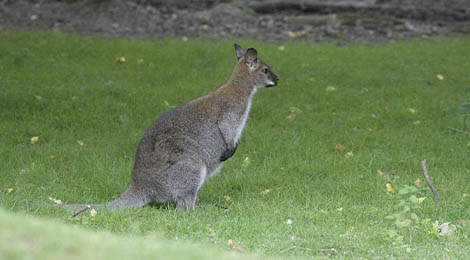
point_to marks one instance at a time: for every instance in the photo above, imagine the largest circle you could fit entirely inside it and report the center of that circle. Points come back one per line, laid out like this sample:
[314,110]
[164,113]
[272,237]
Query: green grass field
[22,237]
[291,190]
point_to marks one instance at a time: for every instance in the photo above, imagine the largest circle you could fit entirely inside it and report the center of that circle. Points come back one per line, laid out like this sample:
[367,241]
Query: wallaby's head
[254,68]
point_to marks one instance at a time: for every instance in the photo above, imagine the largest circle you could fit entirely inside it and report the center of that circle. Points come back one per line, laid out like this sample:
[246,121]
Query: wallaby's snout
[274,79]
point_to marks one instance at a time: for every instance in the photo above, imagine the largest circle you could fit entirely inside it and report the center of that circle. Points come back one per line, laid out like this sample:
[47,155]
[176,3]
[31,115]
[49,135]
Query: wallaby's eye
[265,70]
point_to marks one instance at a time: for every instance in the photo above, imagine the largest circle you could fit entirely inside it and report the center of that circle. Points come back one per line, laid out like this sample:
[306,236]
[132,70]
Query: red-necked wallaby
[187,145]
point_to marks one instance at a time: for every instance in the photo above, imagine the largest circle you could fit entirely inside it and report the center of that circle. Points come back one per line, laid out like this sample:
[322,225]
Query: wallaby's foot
[186,201]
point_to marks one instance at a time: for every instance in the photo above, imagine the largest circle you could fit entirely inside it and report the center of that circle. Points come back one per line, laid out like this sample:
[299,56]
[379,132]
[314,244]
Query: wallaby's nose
[275,79]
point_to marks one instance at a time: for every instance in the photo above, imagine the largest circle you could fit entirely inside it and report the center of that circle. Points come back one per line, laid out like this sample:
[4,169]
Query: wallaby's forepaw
[228,153]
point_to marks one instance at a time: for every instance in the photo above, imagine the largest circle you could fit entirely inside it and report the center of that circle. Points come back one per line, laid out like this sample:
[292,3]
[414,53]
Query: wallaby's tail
[129,199]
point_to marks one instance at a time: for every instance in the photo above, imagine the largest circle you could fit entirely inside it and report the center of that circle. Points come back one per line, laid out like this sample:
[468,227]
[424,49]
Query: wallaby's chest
[237,118]
[242,122]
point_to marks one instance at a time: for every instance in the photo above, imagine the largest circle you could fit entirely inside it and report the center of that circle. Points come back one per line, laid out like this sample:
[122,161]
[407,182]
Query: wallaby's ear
[251,58]
[239,51]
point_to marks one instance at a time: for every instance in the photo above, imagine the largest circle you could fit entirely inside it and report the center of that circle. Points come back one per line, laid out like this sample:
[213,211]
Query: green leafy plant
[405,217]
[406,220]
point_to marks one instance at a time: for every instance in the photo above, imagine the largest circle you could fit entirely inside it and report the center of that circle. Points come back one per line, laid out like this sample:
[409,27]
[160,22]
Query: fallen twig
[458,130]
[426,175]
[329,250]
[80,211]
[308,249]
[287,249]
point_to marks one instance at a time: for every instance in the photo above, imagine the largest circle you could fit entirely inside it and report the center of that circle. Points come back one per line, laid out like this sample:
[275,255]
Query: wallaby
[187,145]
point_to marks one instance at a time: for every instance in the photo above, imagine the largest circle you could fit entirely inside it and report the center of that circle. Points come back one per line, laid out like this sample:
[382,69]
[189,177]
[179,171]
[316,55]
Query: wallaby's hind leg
[189,176]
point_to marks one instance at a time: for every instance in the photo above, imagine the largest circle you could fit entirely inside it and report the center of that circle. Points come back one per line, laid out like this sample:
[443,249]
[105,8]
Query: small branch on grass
[80,211]
[304,248]
[287,249]
[458,130]
[295,247]
[329,250]
[409,233]
[426,175]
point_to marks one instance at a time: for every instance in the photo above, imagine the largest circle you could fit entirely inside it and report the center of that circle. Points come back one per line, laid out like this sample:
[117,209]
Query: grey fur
[188,145]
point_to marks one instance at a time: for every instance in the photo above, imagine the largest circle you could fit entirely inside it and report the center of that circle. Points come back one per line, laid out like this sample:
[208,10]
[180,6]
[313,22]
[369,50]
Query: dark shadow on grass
[161,206]
[172,206]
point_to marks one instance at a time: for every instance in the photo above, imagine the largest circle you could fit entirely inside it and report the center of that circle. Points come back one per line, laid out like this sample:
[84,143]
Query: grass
[32,238]
[69,90]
